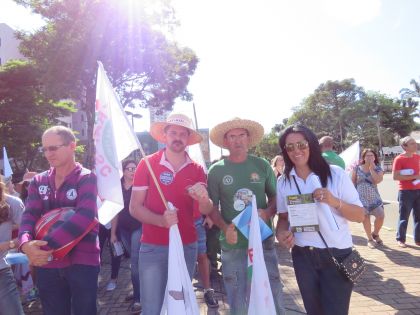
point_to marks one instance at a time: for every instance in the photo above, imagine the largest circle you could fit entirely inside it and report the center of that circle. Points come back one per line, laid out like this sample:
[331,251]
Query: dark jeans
[324,290]
[105,236]
[70,290]
[409,200]
[213,245]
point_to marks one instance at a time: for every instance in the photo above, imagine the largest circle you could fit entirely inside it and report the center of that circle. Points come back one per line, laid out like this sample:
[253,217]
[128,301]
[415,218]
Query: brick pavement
[391,284]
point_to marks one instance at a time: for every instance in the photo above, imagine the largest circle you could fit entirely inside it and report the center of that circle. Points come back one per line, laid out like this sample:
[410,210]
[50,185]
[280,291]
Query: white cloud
[352,12]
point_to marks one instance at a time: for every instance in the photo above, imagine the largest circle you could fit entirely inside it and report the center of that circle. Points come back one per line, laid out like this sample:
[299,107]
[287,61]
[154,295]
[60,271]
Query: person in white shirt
[335,201]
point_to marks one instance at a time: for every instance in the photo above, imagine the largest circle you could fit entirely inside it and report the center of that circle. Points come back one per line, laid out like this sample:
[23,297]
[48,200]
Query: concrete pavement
[391,284]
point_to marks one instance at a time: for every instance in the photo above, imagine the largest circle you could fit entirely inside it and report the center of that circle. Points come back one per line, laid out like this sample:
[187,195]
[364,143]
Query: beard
[177,146]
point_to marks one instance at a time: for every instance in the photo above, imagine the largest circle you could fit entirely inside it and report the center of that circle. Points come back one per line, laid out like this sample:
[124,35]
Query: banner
[351,156]
[7,169]
[179,294]
[260,299]
[114,140]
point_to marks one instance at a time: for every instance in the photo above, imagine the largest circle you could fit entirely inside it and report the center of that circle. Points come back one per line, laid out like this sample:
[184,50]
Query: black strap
[322,238]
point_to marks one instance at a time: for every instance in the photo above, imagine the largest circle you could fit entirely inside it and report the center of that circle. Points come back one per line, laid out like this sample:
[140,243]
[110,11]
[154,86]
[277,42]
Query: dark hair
[366,151]
[316,162]
[126,162]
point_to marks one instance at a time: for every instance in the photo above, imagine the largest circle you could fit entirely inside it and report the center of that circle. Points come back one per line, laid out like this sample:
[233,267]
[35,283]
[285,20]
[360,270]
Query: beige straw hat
[255,130]
[157,129]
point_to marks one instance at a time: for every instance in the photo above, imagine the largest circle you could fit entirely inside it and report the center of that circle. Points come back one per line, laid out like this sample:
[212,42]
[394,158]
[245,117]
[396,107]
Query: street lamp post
[138,116]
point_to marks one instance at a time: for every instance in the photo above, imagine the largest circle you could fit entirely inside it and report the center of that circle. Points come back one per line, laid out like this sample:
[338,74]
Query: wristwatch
[12,244]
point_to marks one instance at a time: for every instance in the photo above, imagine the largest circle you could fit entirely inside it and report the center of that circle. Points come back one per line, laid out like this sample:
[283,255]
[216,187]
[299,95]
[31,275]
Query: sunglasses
[130,169]
[301,145]
[51,148]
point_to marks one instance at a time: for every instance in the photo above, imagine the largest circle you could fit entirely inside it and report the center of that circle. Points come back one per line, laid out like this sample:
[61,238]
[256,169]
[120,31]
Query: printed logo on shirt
[255,178]
[71,194]
[242,198]
[227,180]
[43,189]
[166,178]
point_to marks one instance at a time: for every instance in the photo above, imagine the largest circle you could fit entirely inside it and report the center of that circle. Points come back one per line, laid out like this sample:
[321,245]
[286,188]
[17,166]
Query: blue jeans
[70,290]
[153,269]
[324,290]
[235,277]
[408,199]
[9,296]
[131,242]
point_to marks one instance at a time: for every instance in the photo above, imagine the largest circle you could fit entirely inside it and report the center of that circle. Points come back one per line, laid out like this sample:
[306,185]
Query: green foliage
[26,111]
[346,112]
[145,67]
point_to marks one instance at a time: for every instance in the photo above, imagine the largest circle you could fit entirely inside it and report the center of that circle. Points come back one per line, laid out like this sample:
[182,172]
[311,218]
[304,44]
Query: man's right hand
[170,218]
[36,255]
[231,234]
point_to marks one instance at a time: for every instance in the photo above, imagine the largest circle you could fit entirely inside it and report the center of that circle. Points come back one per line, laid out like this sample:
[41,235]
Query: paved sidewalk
[391,284]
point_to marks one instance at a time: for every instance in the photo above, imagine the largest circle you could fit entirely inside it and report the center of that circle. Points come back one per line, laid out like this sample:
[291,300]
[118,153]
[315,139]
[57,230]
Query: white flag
[351,156]
[260,299]
[7,169]
[179,294]
[114,140]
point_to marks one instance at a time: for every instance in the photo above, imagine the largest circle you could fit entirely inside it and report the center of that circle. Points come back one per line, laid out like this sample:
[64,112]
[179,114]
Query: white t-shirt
[333,226]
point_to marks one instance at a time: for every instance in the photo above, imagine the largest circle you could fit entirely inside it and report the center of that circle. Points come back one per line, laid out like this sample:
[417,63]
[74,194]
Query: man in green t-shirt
[327,143]
[231,183]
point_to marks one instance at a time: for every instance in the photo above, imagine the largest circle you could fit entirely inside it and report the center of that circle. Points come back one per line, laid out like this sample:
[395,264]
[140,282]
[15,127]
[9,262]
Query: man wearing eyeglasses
[231,183]
[68,284]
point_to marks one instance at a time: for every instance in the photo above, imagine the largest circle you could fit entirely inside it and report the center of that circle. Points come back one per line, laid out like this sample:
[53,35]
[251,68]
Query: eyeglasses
[130,169]
[51,148]
[301,145]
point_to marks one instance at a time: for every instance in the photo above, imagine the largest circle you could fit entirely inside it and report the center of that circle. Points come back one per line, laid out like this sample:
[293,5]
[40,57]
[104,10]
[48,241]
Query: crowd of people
[305,186]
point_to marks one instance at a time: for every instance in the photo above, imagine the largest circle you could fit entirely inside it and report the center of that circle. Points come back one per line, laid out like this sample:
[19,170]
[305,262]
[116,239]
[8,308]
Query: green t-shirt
[231,186]
[333,158]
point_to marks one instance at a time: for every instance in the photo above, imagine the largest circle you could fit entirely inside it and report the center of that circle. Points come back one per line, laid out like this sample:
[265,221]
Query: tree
[26,112]
[327,110]
[146,68]
[269,145]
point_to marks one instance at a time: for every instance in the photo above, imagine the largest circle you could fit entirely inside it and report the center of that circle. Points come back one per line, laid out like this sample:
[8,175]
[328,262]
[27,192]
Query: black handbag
[352,267]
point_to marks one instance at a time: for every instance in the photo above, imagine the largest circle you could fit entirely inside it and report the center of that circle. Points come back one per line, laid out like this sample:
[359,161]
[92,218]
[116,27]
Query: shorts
[201,236]
[378,212]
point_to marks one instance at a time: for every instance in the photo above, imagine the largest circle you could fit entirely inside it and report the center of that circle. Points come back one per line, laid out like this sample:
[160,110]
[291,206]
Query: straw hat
[255,130]
[157,129]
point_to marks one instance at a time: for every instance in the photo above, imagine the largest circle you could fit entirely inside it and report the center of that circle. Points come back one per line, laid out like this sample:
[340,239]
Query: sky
[261,58]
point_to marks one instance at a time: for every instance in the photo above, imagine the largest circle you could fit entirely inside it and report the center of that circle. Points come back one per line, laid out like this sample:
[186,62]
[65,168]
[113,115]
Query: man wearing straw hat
[231,183]
[167,175]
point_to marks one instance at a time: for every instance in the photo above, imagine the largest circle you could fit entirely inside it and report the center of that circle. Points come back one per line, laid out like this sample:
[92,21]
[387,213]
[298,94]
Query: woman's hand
[286,238]
[325,196]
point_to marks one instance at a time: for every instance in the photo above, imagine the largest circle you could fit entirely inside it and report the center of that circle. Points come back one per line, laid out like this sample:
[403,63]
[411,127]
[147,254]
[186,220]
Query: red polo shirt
[174,187]
[402,162]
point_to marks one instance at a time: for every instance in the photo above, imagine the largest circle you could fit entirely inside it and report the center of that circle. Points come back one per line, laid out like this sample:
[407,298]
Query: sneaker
[135,308]
[32,294]
[129,297]
[371,244]
[111,286]
[209,298]
[401,244]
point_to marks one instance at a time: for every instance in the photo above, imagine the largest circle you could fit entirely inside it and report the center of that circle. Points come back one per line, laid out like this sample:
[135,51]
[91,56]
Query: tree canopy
[26,111]
[146,68]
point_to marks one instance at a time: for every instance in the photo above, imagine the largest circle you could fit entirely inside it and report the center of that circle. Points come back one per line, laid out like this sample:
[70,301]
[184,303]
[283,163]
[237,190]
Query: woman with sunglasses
[330,197]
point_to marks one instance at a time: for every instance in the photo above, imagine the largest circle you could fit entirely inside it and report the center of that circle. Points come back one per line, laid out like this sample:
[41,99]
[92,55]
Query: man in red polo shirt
[406,170]
[183,183]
